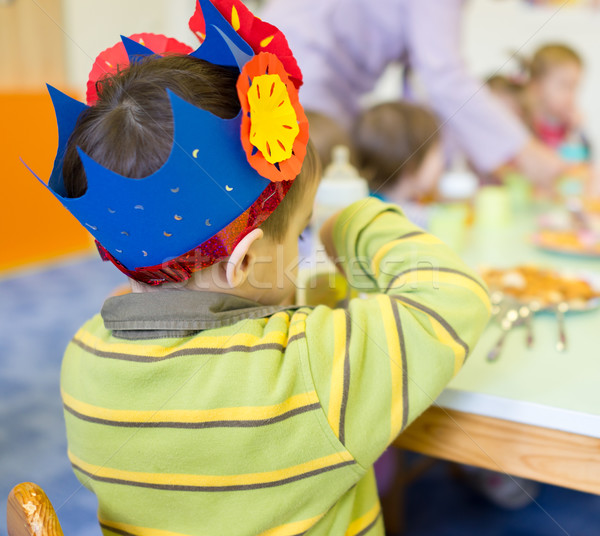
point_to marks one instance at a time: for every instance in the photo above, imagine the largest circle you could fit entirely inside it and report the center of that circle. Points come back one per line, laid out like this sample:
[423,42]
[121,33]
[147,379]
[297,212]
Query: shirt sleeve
[342,48]
[488,133]
[381,362]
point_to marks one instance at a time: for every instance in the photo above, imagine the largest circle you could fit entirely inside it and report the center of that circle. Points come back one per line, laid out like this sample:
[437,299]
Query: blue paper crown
[205,184]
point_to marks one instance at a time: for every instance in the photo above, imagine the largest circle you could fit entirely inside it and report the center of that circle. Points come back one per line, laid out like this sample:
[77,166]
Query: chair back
[29,512]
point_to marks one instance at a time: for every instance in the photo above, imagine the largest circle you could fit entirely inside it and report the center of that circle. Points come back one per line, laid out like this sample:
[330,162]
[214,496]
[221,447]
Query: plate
[567,242]
[545,287]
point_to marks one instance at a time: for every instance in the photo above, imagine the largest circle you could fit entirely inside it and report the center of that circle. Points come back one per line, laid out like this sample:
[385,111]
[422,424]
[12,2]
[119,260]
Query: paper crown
[223,177]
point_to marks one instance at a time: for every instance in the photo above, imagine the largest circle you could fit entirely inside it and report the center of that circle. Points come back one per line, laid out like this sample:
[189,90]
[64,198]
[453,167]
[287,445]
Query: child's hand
[540,164]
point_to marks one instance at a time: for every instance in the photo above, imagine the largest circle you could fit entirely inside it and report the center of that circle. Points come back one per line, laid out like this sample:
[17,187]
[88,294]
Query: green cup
[520,191]
[323,287]
[493,207]
[448,222]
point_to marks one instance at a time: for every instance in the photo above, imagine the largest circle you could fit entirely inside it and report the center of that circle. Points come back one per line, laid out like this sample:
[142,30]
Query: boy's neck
[208,280]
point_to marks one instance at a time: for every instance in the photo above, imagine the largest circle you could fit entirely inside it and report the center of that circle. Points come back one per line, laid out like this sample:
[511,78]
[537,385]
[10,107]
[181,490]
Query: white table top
[537,386]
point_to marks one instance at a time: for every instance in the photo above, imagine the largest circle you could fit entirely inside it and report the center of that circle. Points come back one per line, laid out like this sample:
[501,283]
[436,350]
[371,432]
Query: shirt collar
[178,313]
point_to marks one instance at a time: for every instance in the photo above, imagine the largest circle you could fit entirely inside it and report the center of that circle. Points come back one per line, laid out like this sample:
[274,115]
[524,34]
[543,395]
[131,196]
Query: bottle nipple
[340,167]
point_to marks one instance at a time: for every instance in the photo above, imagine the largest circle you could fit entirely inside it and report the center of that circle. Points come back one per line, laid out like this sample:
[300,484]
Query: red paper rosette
[114,57]
[260,35]
[268,116]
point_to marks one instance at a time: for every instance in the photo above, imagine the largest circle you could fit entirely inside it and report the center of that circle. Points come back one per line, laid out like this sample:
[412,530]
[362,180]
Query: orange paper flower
[274,127]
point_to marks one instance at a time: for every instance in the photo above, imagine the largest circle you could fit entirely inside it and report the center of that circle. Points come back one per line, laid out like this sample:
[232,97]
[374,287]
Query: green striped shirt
[191,413]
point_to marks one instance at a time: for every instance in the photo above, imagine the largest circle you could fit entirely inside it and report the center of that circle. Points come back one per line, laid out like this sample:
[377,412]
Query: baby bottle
[341,186]
[319,282]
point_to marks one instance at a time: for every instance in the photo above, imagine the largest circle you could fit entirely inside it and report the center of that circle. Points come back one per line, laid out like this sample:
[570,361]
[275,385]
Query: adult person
[343,47]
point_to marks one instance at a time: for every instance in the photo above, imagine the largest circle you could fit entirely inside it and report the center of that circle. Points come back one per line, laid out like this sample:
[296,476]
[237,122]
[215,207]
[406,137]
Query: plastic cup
[520,191]
[492,208]
[449,223]
[323,287]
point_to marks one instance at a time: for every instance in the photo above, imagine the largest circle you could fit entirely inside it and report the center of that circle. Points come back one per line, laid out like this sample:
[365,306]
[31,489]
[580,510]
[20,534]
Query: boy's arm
[380,363]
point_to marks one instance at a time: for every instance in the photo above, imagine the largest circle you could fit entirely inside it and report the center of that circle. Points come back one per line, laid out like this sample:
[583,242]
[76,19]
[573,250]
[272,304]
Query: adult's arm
[342,47]
[487,132]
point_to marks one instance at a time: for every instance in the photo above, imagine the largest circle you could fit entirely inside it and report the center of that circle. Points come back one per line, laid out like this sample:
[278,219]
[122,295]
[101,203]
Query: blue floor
[40,311]
[439,505]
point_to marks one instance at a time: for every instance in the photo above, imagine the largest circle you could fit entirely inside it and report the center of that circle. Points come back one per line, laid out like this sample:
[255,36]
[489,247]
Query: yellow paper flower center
[274,125]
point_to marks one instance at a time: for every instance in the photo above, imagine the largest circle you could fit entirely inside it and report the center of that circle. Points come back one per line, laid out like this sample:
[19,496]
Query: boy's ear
[241,259]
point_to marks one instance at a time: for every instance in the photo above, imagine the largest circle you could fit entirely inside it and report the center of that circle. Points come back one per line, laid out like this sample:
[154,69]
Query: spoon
[525,313]
[561,308]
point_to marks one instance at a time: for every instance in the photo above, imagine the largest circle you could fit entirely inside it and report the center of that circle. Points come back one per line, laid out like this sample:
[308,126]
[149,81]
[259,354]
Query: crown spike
[241,57]
[136,51]
[35,175]
[222,44]
[67,111]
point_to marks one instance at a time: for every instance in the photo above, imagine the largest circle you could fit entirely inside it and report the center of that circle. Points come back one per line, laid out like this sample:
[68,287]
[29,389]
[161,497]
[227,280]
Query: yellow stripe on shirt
[158,351]
[364,521]
[397,366]
[289,529]
[433,276]
[244,414]
[190,482]
[336,391]
[124,528]
[443,335]
[421,238]
[298,323]
[293,529]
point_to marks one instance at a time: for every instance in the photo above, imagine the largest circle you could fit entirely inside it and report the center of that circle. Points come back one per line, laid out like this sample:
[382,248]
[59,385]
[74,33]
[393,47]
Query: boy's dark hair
[130,129]
[393,138]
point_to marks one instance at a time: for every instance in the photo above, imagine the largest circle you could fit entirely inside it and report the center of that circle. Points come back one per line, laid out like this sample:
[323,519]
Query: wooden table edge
[542,454]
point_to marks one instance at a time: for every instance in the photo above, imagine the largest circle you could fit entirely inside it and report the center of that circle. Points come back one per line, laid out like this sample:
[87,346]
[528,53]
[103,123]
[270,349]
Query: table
[535,412]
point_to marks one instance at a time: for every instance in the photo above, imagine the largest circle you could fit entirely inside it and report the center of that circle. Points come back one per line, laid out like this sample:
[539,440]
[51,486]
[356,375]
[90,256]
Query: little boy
[400,153]
[197,404]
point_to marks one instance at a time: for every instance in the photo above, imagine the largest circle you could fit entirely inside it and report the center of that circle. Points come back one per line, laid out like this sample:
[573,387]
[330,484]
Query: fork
[561,308]
[510,320]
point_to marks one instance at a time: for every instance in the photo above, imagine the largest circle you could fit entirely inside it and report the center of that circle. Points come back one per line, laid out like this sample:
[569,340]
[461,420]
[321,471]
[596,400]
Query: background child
[550,98]
[400,154]
[546,100]
[327,134]
[510,92]
[207,408]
